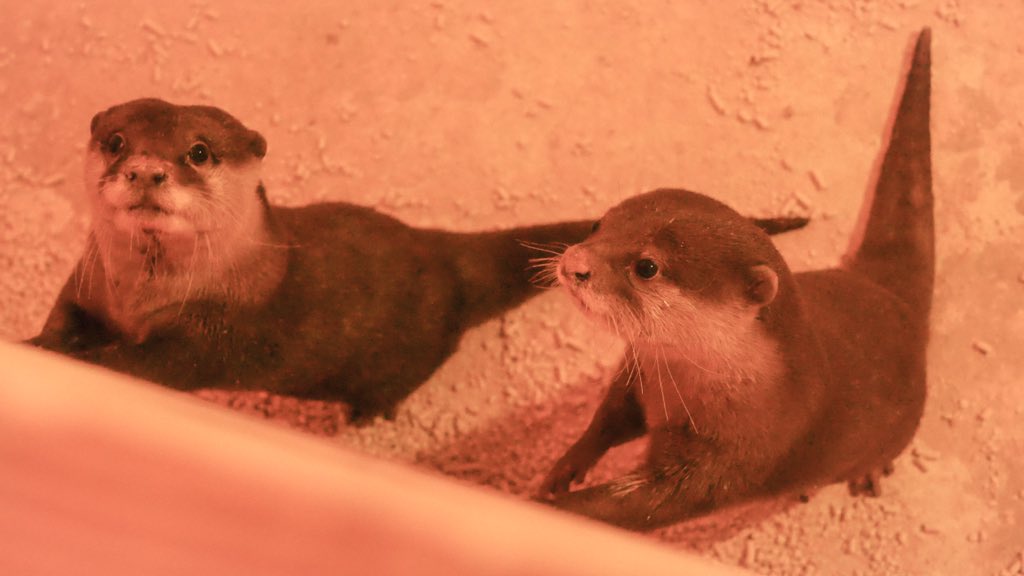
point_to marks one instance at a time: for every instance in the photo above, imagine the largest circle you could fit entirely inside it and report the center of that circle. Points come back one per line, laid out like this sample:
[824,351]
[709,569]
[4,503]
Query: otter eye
[199,153]
[115,144]
[646,268]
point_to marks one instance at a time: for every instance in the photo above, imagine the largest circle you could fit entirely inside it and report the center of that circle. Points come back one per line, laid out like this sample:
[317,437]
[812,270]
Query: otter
[192,279]
[749,380]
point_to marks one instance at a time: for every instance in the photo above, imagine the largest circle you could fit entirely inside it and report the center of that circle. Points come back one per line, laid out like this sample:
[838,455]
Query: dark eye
[646,268]
[199,153]
[115,144]
[597,224]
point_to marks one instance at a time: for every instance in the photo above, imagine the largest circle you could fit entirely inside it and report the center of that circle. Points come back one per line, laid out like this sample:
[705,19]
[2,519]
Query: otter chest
[683,391]
[669,393]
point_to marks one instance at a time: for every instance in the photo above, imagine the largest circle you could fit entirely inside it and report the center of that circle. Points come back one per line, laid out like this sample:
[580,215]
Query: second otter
[750,380]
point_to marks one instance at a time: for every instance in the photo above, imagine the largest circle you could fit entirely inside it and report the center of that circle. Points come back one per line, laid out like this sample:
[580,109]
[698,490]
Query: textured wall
[477,115]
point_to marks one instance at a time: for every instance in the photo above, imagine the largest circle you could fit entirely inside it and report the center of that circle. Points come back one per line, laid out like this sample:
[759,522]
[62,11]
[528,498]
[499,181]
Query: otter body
[192,279]
[752,381]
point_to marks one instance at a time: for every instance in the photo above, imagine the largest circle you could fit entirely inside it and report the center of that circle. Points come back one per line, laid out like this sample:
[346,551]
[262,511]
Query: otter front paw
[870,484]
[570,469]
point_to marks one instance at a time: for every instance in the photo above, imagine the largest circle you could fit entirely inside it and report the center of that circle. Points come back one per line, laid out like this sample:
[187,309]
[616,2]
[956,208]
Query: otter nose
[157,176]
[575,265]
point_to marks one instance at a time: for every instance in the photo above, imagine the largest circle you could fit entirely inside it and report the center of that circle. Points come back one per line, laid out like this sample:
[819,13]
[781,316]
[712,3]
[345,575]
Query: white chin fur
[610,314]
[668,319]
[175,216]
[129,221]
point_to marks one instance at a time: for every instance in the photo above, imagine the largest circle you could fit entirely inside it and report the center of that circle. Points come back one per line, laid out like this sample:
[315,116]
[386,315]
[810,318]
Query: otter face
[671,267]
[172,171]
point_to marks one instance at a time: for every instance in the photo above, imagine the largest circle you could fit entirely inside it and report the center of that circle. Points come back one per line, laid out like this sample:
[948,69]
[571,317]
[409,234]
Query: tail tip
[778,225]
[922,49]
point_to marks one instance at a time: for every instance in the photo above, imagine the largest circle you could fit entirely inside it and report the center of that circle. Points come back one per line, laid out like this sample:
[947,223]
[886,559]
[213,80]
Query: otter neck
[721,355]
[147,275]
[696,373]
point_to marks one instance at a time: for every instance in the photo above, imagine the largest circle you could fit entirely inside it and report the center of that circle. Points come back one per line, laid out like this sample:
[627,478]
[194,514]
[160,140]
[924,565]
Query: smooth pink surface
[104,475]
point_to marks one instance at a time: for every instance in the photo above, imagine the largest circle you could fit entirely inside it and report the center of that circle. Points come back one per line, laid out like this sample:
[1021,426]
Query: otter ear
[773,226]
[95,121]
[762,285]
[257,144]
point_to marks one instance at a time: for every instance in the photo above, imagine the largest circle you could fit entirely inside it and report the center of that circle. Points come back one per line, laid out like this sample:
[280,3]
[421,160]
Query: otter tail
[500,270]
[897,248]
[496,269]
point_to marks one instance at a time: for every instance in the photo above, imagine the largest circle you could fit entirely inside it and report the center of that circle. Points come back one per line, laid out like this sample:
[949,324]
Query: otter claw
[570,469]
[871,483]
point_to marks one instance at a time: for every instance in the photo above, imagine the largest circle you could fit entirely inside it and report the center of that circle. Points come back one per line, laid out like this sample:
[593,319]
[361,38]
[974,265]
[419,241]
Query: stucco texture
[480,115]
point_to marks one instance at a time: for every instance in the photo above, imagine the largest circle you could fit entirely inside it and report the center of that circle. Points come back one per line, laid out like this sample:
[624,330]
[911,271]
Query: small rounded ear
[762,285]
[257,144]
[95,121]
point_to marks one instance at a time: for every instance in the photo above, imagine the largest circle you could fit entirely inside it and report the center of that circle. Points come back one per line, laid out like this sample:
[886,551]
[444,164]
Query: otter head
[675,269]
[157,169]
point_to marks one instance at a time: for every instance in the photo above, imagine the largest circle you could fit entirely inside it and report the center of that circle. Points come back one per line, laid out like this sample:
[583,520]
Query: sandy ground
[473,116]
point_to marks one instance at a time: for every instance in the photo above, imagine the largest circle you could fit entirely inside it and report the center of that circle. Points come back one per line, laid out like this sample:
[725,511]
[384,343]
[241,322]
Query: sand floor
[473,116]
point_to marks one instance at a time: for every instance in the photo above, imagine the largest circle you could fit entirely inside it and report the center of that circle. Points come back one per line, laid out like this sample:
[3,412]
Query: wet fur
[752,381]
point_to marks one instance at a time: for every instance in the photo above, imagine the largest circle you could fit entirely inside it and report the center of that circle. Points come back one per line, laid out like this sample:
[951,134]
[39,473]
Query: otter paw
[570,469]
[870,484]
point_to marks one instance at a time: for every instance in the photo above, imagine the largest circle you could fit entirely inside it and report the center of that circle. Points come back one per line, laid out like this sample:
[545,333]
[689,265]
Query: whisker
[191,274]
[555,249]
[546,269]
[615,326]
[92,266]
[233,211]
[544,281]
[630,365]
[544,261]
[209,247]
[658,324]
[661,386]
[675,386]
[83,263]
[687,357]
[639,373]
[107,277]
[622,368]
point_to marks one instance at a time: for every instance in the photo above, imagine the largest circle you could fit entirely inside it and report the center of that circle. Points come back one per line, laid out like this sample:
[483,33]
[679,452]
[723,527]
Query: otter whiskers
[675,386]
[546,275]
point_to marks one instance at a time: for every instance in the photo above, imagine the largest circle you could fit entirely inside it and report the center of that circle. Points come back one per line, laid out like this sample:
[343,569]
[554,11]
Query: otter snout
[156,176]
[575,266]
[144,172]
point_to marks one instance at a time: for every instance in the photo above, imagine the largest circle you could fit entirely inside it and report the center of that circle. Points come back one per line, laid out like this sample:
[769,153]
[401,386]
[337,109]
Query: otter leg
[643,500]
[364,413]
[69,328]
[684,477]
[619,419]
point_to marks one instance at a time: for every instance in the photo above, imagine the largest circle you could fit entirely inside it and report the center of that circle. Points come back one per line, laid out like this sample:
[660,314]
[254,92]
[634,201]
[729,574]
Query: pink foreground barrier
[102,474]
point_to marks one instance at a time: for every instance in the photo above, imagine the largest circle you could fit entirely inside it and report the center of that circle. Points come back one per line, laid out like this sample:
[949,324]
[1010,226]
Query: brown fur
[193,280]
[752,381]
